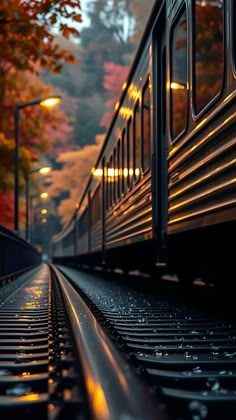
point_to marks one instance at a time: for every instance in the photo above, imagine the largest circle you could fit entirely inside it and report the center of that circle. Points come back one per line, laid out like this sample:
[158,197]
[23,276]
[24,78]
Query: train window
[98,204]
[130,153]
[209,51]
[92,211]
[178,85]
[234,33]
[123,162]
[146,129]
[119,170]
[110,181]
[163,78]
[115,176]
[83,222]
[95,206]
[137,142]
[107,186]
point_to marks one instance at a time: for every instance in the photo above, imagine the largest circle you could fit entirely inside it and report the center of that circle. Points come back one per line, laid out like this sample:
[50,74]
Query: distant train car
[163,190]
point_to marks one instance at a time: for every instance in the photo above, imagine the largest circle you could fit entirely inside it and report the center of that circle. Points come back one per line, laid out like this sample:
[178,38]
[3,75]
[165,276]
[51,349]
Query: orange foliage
[28,32]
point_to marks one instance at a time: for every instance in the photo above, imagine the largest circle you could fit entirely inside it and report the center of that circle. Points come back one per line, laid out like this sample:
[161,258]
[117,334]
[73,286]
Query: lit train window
[107,186]
[95,204]
[130,153]
[137,143]
[178,83]
[110,181]
[115,176]
[124,162]
[98,203]
[119,170]
[146,128]
[209,51]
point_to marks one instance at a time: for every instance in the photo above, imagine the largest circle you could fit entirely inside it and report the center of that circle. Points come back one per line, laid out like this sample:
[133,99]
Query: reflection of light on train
[97,172]
[205,3]
[134,92]
[162,192]
[111,172]
[175,85]
[125,112]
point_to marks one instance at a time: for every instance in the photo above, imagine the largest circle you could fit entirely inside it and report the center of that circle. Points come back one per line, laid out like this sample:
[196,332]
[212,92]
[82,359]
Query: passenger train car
[162,193]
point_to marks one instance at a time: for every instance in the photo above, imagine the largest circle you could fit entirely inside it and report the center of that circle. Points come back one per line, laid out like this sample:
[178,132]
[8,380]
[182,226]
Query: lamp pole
[48,101]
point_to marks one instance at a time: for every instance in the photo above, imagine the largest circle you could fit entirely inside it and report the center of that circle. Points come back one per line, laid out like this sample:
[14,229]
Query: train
[161,197]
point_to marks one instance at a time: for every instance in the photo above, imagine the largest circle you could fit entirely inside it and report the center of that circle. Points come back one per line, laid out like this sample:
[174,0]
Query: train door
[159,153]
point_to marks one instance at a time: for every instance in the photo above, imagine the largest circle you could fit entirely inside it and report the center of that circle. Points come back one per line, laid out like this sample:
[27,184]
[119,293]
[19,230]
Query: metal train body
[162,192]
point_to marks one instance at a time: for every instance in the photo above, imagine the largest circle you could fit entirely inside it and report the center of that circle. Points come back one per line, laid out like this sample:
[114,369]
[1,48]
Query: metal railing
[16,255]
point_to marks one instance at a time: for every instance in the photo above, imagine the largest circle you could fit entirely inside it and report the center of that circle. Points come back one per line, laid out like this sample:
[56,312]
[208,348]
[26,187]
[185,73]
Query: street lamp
[43,170]
[48,101]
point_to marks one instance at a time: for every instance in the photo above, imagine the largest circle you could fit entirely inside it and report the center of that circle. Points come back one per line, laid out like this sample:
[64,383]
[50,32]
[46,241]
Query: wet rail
[56,362]
[79,346]
[184,351]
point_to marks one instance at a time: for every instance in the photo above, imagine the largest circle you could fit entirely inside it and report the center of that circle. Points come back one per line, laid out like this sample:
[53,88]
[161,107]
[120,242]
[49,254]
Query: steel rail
[113,390]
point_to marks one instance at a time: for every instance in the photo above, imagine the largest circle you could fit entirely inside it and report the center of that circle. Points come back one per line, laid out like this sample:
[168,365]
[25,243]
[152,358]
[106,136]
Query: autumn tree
[105,40]
[29,32]
[141,11]
[114,77]
[73,177]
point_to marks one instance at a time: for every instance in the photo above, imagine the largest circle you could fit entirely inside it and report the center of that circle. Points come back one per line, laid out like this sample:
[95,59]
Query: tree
[73,176]
[141,11]
[29,33]
[39,130]
[103,41]
[114,77]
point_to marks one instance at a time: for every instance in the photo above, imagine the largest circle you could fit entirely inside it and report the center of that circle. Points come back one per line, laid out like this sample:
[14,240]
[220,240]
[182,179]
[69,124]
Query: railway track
[55,360]
[184,349]
[110,353]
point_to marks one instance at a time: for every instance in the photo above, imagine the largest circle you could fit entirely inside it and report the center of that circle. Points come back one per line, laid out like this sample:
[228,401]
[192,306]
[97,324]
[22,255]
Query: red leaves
[115,76]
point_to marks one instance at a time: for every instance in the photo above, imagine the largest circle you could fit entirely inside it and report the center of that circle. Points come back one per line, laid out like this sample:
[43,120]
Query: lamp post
[43,170]
[48,101]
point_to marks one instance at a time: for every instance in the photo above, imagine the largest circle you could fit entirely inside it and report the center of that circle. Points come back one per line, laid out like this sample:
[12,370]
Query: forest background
[48,49]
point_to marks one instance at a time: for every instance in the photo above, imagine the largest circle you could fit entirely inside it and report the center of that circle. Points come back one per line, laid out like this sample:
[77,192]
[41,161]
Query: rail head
[113,390]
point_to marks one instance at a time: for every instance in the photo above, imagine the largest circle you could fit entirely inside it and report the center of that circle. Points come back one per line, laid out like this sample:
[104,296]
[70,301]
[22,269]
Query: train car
[162,193]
